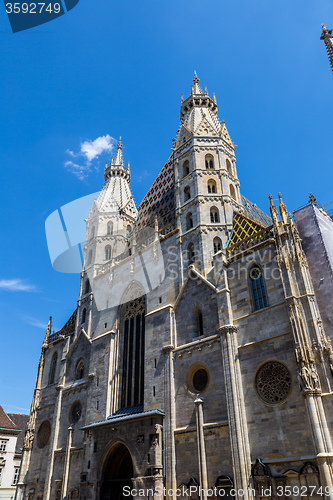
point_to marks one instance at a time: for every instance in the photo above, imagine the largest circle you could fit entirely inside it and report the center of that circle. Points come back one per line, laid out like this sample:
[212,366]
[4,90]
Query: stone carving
[308,378]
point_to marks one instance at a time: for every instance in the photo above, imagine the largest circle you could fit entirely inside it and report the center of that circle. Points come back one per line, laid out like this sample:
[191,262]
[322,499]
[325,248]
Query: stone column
[201,449]
[64,492]
[236,411]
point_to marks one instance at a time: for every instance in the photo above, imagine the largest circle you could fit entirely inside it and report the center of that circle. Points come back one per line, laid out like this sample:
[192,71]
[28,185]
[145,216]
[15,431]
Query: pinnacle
[196,89]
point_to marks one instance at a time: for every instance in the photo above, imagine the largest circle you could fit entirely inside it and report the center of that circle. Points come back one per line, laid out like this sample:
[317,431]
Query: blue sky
[118,68]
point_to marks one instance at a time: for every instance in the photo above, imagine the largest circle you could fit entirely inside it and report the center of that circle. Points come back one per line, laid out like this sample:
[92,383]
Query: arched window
[211,185]
[92,232]
[190,253]
[217,243]
[53,368]
[189,221]
[89,258]
[258,288]
[133,374]
[108,252]
[83,317]
[128,230]
[198,320]
[214,215]
[209,162]
[87,287]
[109,230]
[228,165]
[232,191]
[187,193]
[79,371]
[186,168]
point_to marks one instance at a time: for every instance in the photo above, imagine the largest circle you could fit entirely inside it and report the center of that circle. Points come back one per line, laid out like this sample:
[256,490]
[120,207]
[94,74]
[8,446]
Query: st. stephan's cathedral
[200,352]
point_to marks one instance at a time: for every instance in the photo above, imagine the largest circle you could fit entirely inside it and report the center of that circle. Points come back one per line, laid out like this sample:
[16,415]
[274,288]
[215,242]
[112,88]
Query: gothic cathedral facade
[196,355]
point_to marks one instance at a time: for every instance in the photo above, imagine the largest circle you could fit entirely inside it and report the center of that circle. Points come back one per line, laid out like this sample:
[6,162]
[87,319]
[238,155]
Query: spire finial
[119,161]
[196,89]
[312,199]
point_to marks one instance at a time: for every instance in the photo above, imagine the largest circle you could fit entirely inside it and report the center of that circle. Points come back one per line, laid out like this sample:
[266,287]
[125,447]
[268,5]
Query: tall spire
[273,210]
[326,35]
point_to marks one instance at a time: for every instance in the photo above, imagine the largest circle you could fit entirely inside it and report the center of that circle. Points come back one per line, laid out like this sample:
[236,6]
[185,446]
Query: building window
[108,252]
[224,484]
[53,368]
[229,167]
[84,314]
[3,445]
[232,191]
[186,168]
[79,372]
[187,193]
[214,215]
[109,230]
[217,243]
[16,475]
[191,253]
[209,162]
[211,185]
[258,288]
[92,232]
[89,258]
[189,221]
[133,352]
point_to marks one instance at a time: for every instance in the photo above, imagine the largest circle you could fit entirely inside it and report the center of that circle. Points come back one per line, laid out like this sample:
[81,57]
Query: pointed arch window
[198,320]
[209,162]
[79,371]
[228,165]
[53,368]
[217,244]
[214,215]
[110,228]
[87,286]
[187,193]
[189,221]
[258,288]
[83,317]
[232,191]
[92,232]
[108,252]
[186,168]
[191,253]
[211,186]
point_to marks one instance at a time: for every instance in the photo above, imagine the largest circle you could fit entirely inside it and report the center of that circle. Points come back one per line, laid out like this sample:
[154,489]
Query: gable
[196,295]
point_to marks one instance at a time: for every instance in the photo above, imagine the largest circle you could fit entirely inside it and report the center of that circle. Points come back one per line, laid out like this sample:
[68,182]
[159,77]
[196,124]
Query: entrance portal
[117,473]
